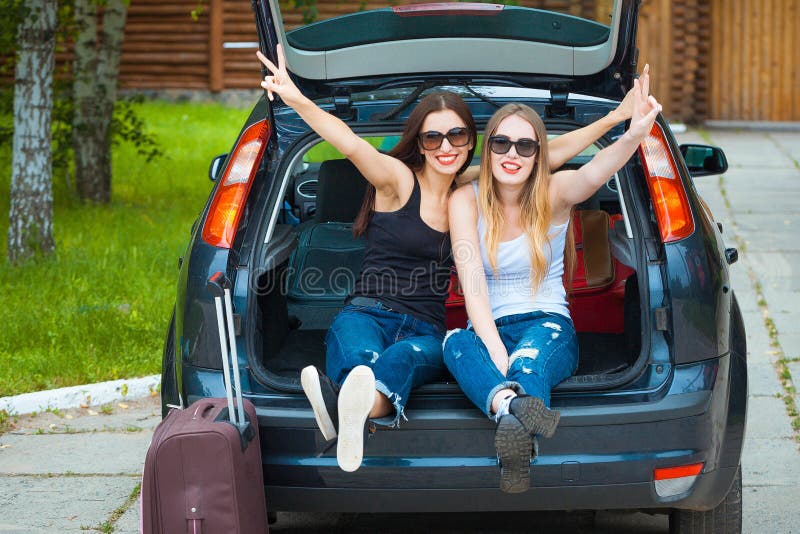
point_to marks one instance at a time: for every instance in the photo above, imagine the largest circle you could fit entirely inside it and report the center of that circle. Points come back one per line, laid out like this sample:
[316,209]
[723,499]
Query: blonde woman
[509,230]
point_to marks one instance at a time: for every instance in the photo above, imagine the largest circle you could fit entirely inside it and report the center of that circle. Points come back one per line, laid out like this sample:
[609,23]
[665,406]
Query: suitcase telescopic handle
[220,287]
[218,283]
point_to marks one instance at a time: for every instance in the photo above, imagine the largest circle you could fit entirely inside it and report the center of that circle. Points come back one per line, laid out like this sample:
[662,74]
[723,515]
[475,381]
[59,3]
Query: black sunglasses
[432,139]
[500,144]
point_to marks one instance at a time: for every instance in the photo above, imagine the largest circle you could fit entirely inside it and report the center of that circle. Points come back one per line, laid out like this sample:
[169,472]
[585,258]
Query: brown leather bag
[595,264]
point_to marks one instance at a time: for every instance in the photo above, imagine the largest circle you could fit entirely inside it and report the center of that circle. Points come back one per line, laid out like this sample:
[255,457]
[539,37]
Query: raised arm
[572,187]
[463,215]
[380,170]
[565,147]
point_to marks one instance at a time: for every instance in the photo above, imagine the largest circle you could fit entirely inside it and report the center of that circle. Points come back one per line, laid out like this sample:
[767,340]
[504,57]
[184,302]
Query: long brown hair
[534,201]
[407,149]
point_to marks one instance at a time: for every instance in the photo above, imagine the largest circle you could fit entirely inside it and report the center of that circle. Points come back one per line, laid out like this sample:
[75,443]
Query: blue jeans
[542,349]
[403,352]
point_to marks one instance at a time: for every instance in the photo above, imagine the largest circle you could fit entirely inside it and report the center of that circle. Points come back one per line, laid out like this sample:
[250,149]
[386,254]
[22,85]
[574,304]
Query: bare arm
[565,147]
[572,187]
[463,215]
[380,170]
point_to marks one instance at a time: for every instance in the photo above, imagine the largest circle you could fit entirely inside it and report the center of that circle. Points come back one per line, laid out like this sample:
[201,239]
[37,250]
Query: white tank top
[510,289]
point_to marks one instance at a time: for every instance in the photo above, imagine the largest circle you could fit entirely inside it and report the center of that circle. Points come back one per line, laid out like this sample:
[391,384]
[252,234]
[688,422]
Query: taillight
[666,189]
[231,195]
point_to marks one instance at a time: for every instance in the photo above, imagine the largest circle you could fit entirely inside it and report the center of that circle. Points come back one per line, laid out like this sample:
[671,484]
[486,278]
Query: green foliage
[13,12]
[127,126]
[98,309]
[7,421]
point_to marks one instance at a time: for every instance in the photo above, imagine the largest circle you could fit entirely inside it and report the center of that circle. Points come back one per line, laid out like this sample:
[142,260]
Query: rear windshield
[581,25]
[324,151]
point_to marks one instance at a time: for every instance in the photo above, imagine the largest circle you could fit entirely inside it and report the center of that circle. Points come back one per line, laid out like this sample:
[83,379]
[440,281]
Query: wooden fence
[755,60]
[717,59]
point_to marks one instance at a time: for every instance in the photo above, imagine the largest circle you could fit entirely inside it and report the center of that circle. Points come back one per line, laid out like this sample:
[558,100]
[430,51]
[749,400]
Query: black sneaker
[323,395]
[356,399]
[513,443]
[534,415]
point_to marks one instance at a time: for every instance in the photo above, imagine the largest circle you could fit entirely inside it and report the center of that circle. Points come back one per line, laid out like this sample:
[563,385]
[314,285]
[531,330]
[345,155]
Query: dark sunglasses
[432,140]
[500,144]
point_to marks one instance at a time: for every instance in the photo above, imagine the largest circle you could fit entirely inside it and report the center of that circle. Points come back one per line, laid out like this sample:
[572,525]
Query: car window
[325,151]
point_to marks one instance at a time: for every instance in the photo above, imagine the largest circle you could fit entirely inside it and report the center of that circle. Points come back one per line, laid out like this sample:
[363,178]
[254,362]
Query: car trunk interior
[299,297]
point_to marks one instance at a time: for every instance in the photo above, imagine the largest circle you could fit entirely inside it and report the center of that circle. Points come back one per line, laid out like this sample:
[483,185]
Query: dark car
[653,419]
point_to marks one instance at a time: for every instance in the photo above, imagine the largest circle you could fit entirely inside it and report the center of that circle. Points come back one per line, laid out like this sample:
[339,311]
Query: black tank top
[406,263]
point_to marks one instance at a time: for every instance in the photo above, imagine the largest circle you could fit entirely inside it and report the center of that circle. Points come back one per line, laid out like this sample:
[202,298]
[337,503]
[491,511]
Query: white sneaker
[356,399]
[322,394]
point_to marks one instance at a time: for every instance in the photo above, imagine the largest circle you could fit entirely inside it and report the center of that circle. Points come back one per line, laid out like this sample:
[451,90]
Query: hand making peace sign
[645,106]
[279,82]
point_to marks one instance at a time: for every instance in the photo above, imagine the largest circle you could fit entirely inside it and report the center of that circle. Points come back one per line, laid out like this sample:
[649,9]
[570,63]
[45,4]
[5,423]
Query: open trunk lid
[531,47]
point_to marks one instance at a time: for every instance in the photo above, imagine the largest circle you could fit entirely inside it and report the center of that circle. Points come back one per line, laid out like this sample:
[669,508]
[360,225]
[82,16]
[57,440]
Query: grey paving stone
[102,452]
[790,343]
[794,368]
[771,462]
[789,142]
[758,340]
[762,379]
[60,504]
[759,426]
[742,286]
[129,522]
[768,264]
[780,237]
[782,184]
[142,414]
[753,149]
[782,201]
[770,509]
[786,323]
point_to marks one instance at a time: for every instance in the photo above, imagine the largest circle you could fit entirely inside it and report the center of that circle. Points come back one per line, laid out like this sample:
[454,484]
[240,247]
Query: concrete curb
[757,126]
[74,396]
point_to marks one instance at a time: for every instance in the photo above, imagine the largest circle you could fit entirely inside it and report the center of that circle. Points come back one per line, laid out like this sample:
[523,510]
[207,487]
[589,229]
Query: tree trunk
[31,215]
[95,91]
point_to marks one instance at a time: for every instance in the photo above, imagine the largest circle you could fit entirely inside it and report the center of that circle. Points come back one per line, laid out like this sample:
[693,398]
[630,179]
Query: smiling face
[510,168]
[447,159]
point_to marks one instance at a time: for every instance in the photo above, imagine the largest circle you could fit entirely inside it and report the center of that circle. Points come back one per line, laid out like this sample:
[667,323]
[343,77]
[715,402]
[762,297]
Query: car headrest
[340,191]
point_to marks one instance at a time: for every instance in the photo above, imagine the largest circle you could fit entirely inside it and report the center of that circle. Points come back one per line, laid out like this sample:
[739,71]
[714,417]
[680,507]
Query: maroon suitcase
[202,472]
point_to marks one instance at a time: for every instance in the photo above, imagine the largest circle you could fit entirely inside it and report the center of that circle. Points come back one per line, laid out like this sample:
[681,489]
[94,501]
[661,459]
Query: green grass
[98,309]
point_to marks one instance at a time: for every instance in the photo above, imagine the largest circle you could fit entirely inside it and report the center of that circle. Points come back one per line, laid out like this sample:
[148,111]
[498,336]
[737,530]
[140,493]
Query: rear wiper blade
[429,84]
[410,97]
[486,99]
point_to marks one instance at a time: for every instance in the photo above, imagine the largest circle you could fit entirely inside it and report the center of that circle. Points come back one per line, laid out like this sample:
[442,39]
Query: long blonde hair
[534,201]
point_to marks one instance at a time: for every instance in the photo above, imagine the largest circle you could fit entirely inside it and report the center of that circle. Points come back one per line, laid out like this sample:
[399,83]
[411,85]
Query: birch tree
[96,70]
[31,213]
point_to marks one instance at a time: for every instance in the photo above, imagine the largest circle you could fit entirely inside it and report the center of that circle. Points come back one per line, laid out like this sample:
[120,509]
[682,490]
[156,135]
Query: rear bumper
[601,457]
[703,496]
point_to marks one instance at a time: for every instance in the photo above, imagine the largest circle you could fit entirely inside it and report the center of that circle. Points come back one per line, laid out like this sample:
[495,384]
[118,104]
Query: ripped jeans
[542,349]
[402,351]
